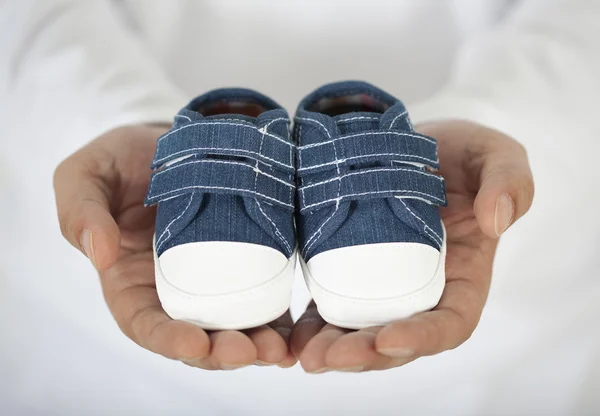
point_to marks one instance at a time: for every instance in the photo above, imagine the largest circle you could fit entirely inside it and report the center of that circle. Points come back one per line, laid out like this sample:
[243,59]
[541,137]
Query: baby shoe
[370,236]
[224,246]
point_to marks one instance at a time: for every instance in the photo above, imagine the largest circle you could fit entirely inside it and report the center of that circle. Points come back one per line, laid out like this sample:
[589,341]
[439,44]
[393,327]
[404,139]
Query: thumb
[506,186]
[83,206]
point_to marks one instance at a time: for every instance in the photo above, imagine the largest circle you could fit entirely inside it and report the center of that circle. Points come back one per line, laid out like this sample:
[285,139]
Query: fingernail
[262,363]
[188,361]
[397,352]
[356,369]
[87,245]
[320,370]
[505,211]
[286,365]
[229,367]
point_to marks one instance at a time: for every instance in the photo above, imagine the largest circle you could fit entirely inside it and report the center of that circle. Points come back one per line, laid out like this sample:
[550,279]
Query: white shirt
[71,69]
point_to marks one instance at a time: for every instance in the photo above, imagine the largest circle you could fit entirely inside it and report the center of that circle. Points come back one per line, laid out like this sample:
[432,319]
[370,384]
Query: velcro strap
[368,146]
[222,176]
[374,183]
[225,138]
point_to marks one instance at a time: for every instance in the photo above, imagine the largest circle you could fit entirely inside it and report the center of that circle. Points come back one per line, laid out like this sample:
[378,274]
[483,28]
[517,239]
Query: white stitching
[277,232]
[299,155]
[204,123]
[292,174]
[291,154]
[435,235]
[167,230]
[226,150]
[345,120]
[312,240]
[396,118]
[262,138]
[224,188]
[236,119]
[364,172]
[369,193]
[223,162]
[182,116]
[319,231]
[376,133]
[363,156]
[287,121]
[314,121]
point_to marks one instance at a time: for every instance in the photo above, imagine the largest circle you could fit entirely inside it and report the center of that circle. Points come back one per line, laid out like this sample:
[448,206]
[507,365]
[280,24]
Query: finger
[313,356]
[283,326]
[506,186]
[446,327]
[154,330]
[173,339]
[132,299]
[200,363]
[290,359]
[309,325]
[271,348]
[355,352]
[231,350]
[83,205]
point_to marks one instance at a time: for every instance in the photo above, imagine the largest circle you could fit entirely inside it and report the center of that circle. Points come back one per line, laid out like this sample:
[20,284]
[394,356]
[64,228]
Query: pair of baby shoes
[350,191]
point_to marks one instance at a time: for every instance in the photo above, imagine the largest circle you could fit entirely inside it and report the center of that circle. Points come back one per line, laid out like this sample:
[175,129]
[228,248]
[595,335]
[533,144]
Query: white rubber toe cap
[220,268]
[224,285]
[374,284]
[375,271]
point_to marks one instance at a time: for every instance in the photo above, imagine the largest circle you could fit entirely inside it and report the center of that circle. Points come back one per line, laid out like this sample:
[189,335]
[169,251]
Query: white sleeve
[78,59]
[535,76]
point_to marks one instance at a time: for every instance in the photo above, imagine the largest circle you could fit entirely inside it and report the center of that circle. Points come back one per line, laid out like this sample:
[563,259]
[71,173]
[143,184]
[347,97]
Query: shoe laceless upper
[364,177]
[223,177]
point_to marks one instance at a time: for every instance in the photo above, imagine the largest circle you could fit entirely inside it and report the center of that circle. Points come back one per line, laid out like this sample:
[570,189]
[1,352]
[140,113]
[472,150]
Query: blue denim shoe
[371,239]
[224,186]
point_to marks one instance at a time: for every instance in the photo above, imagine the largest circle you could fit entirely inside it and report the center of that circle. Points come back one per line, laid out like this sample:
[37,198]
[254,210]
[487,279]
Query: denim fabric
[364,175]
[225,176]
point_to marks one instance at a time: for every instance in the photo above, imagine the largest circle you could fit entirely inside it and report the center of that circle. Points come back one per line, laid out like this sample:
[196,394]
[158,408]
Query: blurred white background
[537,349]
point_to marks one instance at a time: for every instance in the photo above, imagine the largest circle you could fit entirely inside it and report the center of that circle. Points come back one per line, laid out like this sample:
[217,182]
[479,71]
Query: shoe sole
[358,313]
[244,309]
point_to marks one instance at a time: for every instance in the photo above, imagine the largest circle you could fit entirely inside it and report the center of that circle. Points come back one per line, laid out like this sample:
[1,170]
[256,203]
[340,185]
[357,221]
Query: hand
[489,186]
[99,195]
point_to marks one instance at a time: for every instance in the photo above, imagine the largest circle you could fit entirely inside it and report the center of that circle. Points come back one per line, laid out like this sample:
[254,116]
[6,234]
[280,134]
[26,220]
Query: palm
[323,347]
[100,191]
[129,286]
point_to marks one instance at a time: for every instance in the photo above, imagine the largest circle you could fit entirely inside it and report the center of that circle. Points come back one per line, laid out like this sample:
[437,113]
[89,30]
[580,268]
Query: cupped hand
[100,191]
[489,186]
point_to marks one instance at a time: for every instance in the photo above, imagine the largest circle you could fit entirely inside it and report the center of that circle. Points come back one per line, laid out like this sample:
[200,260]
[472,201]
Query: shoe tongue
[353,106]
[395,118]
[357,122]
[186,115]
[233,117]
[235,104]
